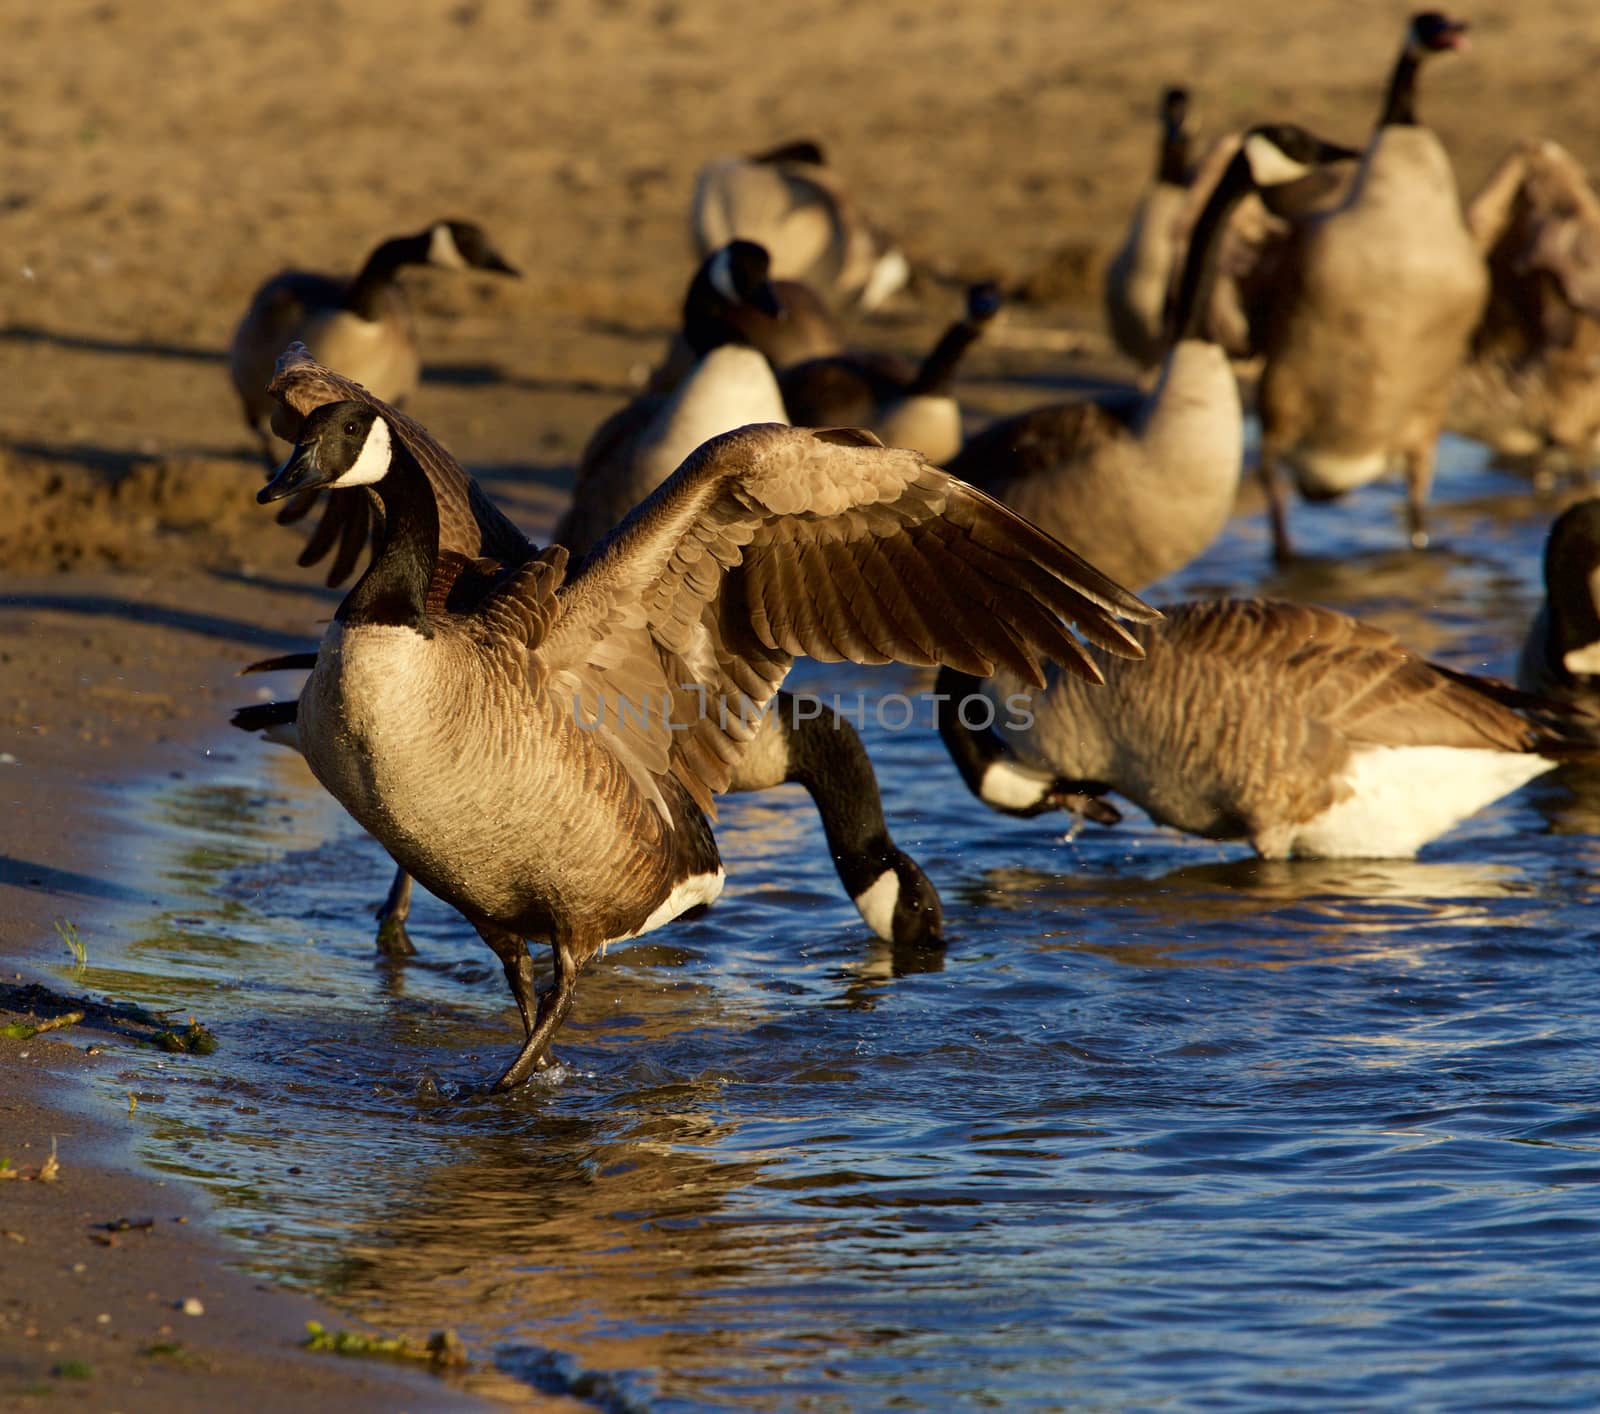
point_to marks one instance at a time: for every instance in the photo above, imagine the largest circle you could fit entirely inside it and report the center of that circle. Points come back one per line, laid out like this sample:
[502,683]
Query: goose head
[462,245]
[1433,32]
[341,444]
[732,286]
[1280,153]
[983,301]
[900,905]
[1572,586]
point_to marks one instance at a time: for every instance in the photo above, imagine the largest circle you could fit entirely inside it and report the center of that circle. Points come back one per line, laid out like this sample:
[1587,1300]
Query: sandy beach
[158,163]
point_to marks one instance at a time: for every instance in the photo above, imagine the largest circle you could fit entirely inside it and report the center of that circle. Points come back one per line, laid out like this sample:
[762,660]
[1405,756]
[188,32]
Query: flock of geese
[538,734]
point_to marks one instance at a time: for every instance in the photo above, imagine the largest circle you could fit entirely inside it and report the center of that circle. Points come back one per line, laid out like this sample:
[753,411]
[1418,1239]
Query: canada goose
[803,328]
[1147,478]
[789,200]
[510,741]
[904,406]
[800,741]
[1561,654]
[1532,386]
[635,449]
[360,326]
[1140,273]
[1372,314]
[1303,731]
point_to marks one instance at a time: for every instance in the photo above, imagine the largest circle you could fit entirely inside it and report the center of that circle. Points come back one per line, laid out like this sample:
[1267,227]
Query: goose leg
[1419,481]
[393,940]
[553,1006]
[1277,510]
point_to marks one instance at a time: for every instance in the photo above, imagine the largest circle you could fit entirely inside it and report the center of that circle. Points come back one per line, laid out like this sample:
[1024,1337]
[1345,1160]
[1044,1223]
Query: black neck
[972,749]
[827,758]
[933,378]
[1205,250]
[394,590]
[1172,164]
[366,292]
[1400,105]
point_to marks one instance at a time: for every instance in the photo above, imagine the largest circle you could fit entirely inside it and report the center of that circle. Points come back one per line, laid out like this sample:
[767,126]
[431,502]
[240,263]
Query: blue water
[1162,1128]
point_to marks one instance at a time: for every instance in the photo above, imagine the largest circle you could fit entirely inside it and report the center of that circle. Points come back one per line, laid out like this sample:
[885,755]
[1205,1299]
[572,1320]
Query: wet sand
[157,165]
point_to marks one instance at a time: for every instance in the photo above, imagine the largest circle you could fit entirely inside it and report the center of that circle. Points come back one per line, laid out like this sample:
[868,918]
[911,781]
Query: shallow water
[1163,1126]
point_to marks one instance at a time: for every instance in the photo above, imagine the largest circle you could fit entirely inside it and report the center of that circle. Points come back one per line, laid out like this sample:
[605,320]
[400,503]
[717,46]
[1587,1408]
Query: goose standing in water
[790,201]
[1148,479]
[1532,387]
[903,407]
[1303,731]
[541,751]
[808,744]
[635,449]
[1373,310]
[1139,277]
[360,326]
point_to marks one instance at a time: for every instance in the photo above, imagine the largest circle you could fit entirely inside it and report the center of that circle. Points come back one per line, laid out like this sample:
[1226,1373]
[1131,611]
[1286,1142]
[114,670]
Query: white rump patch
[888,275]
[1012,787]
[1330,473]
[443,250]
[877,903]
[721,276]
[687,893]
[1270,165]
[373,463]
[1404,796]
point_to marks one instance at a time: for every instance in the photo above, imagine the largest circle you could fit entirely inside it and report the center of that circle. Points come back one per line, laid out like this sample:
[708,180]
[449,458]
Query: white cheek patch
[890,274]
[877,902]
[1582,660]
[443,250]
[1270,165]
[373,463]
[721,276]
[1012,787]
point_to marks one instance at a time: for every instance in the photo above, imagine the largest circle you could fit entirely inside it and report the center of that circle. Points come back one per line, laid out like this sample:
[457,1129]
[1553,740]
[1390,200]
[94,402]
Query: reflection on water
[1162,1125]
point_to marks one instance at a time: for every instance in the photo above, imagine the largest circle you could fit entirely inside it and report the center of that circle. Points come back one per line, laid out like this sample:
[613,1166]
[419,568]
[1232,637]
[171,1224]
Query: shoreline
[101,1310]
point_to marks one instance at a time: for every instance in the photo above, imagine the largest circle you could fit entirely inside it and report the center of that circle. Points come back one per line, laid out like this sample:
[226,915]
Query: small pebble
[190,1306]
[103,1318]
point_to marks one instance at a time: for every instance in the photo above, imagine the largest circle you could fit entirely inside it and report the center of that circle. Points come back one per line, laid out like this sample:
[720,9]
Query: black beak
[1335,152]
[765,298]
[299,473]
[493,260]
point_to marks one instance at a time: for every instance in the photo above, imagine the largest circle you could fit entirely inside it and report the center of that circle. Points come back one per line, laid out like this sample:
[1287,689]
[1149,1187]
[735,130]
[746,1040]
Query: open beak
[299,473]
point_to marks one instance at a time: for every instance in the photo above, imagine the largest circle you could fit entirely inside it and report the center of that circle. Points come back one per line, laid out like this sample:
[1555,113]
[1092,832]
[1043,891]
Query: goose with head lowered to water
[1304,731]
[541,751]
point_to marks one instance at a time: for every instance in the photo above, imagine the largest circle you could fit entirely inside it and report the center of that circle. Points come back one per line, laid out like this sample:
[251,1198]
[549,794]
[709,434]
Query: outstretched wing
[470,525]
[771,542]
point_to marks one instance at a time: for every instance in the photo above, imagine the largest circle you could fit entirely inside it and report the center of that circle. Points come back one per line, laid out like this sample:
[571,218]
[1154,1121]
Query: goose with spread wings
[541,749]
[801,741]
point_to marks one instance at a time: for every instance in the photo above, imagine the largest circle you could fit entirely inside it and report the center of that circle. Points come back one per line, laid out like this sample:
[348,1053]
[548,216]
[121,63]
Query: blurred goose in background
[1372,312]
[800,741]
[803,328]
[903,405]
[790,201]
[1308,733]
[1561,654]
[1148,478]
[1139,277]
[635,449]
[472,721]
[1532,386]
[361,326]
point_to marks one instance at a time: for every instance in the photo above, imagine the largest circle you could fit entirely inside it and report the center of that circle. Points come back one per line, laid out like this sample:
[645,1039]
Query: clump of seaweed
[442,1350]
